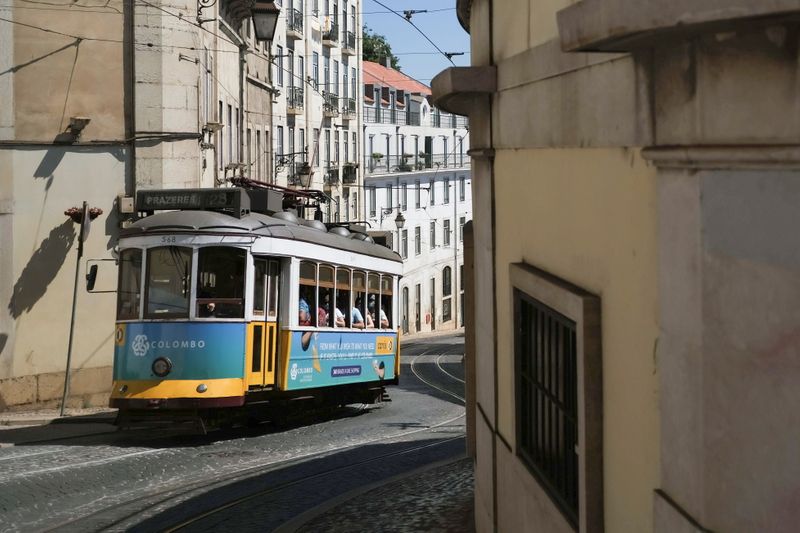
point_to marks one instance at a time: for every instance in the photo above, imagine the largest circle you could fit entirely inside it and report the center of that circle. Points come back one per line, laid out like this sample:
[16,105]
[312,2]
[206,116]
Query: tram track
[102,521]
[139,509]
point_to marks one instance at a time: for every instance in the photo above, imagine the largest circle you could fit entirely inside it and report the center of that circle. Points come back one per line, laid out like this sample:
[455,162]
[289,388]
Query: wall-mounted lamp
[265,19]
[399,220]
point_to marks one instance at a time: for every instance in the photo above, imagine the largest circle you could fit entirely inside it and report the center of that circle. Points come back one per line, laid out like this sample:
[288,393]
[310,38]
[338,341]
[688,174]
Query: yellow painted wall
[523,24]
[589,216]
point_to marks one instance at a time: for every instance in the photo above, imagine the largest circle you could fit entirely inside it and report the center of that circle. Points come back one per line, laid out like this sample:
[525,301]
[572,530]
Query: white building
[416,165]
[315,115]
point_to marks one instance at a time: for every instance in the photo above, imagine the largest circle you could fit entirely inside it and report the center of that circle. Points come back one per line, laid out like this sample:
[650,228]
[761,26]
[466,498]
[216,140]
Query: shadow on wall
[42,268]
[3,340]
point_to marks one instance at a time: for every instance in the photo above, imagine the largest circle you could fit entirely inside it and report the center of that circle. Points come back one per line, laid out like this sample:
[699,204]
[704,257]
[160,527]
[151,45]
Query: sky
[419,58]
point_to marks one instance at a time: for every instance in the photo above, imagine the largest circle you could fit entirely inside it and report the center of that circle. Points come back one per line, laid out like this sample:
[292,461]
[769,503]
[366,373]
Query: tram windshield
[168,272]
[220,282]
[130,277]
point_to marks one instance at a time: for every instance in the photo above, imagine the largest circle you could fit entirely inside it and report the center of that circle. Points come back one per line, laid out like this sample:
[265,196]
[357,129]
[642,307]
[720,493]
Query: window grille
[547,399]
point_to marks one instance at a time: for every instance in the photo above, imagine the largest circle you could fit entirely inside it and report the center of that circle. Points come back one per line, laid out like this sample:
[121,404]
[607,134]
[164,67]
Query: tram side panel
[313,359]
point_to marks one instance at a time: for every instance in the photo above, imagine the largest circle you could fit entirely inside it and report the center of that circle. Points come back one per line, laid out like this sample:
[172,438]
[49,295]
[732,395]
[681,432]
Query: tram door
[263,330]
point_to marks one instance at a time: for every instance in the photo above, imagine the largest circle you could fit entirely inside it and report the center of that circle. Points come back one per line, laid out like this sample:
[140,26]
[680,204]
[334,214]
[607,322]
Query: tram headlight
[202,388]
[162,366]
[123,389]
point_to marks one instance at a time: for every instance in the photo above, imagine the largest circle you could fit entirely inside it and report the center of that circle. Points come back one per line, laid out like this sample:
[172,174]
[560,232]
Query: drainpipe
[129,77]
[242,129]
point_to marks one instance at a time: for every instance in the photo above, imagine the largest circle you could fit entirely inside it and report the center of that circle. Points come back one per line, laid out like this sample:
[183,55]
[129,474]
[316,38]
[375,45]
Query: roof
[282,226]
[388,77]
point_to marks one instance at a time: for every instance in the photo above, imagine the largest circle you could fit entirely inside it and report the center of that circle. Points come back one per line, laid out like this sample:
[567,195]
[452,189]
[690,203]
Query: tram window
[324,316]
[374,291]
[308,293]
[360,295]
[272,294]
[168,282]
[259,287]
[346,315]
[220,282]
[130,277]
[387,297]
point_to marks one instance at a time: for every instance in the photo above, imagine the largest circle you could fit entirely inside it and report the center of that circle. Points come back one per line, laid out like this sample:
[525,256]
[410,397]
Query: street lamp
[265,18]
[304,175]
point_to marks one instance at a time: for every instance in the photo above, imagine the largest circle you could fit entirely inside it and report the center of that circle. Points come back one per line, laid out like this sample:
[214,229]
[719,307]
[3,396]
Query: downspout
[129,96]
[242,129]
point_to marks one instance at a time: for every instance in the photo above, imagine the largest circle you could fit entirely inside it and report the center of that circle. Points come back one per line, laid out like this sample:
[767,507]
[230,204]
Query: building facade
[63,131]
[416,167]
[316,113]
[101,103]
[634,176]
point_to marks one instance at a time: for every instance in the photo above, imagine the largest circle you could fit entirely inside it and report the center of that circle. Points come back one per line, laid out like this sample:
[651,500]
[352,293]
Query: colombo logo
[140,345]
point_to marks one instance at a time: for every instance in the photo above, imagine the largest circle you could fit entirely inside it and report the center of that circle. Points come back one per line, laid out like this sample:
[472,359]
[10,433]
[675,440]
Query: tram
[229,306]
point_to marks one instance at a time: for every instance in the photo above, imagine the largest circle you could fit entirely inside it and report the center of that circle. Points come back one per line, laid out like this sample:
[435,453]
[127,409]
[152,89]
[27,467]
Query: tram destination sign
[234,200]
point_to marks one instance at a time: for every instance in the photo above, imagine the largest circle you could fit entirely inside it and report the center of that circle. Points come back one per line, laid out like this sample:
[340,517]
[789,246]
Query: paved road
[146,480]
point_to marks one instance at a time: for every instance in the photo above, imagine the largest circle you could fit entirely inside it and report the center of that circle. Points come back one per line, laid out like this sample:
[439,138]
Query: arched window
[447,281]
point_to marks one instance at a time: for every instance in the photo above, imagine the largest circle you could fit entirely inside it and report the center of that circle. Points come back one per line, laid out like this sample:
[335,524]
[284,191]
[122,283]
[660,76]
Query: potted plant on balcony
[424,161]
[404,164]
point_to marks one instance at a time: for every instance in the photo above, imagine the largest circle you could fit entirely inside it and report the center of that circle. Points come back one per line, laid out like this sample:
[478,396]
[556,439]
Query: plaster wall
[731,320]
[524,24]
[40,251]
[56,77]
[589,217]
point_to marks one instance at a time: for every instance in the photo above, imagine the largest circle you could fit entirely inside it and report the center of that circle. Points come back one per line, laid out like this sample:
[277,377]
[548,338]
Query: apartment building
[316,117]
[416,171]
[635,177]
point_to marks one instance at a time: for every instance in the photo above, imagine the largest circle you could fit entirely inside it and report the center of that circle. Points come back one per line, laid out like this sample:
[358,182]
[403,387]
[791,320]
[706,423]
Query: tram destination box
[236,201]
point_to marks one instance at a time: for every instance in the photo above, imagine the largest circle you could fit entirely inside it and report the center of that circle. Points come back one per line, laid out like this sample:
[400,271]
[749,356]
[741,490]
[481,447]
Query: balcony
[413,163]
[349,44]
[399,117]
[294,24]
[331,176]
[349,108]
[349,176]
[330,104]
[295,101]
[330,37]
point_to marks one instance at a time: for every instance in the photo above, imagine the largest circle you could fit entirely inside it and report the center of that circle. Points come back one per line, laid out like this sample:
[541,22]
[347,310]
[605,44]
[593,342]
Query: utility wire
[416,28]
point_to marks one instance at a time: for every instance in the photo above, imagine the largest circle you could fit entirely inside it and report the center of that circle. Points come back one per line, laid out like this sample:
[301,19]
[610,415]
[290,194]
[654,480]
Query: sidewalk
[425,335]
[52,416]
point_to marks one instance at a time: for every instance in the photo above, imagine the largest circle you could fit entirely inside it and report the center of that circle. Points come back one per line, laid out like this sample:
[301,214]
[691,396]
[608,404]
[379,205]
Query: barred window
[547,409]
[558,392]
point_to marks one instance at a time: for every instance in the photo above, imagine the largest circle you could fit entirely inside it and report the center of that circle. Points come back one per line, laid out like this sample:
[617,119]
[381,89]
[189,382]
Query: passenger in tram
[384,320]
[356,318]
[303,315]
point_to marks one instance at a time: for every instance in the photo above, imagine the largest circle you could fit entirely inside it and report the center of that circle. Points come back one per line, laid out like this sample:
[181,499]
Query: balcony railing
[331,35]
[295,98]
[330,103]
[399,117]
[414,163]
[349,107]
[332,175]
[294,21]
[349,43]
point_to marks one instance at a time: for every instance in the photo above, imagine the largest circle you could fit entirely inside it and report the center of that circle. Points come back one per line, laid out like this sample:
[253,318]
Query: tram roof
[256,224]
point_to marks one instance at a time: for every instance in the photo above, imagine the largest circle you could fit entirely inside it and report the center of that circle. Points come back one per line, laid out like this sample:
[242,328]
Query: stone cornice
[622,25]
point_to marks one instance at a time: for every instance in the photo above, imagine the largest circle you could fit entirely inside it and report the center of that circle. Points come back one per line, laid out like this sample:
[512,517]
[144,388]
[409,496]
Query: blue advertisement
[325,358]
[196,350]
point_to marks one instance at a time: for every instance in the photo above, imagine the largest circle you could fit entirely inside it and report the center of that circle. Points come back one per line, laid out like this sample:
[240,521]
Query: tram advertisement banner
[324,358]
[196,350]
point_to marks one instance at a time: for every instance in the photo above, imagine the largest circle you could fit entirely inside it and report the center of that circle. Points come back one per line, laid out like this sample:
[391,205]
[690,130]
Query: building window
[404,196]
[432,192]
[279,142]
[373,202]
[417,240]
[447,291]
[433,234]
[316,147]
[461,222]
[556,338]
[404,244]
[417,195]
[446,232]
[315,69]
[462,188]
[446,186]
[279,66]
[389,199]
